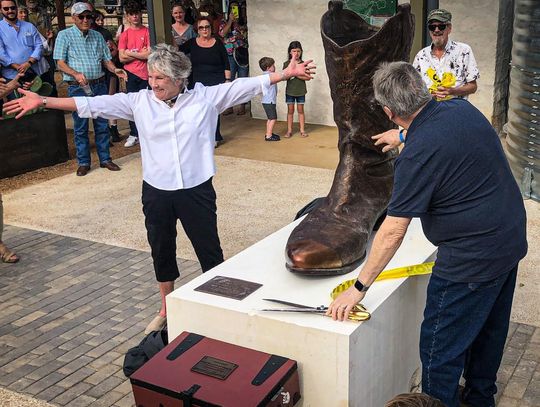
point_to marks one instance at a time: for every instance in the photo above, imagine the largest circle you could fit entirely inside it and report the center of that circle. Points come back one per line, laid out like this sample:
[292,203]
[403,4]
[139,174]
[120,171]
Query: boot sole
[327,272]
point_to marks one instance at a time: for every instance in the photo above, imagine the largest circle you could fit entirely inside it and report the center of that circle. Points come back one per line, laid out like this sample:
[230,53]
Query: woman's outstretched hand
[28,101]
[304,70]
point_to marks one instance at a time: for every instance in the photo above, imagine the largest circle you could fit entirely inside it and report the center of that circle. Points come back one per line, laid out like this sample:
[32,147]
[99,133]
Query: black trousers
[196,209]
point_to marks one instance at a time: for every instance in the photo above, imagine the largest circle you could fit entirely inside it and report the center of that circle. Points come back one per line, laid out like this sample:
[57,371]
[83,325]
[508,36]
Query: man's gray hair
[170,62]
[398,86]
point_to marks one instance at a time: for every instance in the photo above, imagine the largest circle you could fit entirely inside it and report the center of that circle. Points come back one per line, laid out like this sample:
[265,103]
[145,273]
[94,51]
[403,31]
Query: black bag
[144,351]
[241,56]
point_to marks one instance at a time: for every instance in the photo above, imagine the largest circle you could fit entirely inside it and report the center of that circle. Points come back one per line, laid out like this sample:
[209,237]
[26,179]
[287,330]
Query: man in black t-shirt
[452,174]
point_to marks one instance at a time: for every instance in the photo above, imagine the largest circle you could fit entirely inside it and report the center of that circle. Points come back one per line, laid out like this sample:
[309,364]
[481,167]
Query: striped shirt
[83,53]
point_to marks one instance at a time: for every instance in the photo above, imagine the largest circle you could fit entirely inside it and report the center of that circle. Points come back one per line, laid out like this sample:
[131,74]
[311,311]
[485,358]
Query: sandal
[6,255]
[304,134]
[273,137]
[288,135]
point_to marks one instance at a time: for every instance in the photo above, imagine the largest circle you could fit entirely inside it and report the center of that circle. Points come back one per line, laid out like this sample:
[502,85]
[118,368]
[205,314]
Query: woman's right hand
[21,106]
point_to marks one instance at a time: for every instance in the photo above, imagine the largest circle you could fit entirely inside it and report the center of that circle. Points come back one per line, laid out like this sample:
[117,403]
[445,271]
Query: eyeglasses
[204,27]
[433,27]
[85,17]
[9,8]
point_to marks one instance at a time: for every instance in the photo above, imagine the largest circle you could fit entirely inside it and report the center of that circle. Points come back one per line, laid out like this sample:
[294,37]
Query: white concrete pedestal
[340,364]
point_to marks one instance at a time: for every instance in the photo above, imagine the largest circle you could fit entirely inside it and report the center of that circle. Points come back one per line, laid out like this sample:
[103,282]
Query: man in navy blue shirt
[452,174]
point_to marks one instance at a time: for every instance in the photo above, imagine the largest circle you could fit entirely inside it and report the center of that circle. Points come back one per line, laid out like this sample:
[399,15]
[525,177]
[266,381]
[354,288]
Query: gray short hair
[400,87]
[170,62]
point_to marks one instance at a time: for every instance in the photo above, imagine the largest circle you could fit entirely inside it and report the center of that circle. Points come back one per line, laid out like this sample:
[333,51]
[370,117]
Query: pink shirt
[135,40]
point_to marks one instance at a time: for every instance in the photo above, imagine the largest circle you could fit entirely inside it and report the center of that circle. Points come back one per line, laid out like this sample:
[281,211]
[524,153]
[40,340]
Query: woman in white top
[176,130]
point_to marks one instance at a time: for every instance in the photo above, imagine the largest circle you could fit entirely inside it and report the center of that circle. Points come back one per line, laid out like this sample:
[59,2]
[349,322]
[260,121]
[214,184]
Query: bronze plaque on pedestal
[229,287]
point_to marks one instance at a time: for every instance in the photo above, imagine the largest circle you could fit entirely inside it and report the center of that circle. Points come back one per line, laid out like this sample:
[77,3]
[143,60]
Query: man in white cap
[448,68]
[80,54]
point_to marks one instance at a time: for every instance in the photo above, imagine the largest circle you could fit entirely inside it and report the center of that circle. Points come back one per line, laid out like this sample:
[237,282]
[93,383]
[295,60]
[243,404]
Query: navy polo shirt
[454,176]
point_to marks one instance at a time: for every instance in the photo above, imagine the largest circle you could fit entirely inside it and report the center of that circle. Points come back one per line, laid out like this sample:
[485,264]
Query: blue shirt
[453,175]
[83,53]
[270,96]
[17,46]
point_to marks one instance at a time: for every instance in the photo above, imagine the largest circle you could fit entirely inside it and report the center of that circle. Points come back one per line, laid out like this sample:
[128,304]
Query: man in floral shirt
[447,67]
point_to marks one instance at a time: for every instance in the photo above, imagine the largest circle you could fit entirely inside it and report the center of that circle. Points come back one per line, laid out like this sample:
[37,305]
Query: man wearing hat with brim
[447,67]
[81,53]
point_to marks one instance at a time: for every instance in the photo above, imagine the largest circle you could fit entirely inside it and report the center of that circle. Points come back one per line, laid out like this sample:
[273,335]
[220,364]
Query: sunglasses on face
[9,8]
[433,27]
[86,17]
[204,27]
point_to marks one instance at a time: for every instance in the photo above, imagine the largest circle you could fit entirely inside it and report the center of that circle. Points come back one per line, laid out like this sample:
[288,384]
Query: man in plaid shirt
[81,54]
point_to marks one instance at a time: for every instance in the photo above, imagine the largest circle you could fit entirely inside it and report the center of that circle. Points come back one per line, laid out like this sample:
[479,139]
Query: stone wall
[273,24]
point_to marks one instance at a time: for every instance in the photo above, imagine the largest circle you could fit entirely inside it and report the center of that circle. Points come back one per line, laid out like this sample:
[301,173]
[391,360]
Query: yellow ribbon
[448,80]
[400,272]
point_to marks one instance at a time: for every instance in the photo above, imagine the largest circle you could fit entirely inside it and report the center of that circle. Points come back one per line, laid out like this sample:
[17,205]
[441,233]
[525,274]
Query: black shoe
[273,137]
[110,166]
[83,170]
[113,134]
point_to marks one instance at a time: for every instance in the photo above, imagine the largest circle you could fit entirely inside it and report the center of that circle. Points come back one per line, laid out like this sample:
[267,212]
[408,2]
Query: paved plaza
[72,307]
[70,310]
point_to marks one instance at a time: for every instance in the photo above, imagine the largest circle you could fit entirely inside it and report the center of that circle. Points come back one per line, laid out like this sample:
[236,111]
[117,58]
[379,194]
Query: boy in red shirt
[134,47]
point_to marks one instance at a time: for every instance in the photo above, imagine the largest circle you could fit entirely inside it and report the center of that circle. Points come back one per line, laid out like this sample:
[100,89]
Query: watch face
[359,286]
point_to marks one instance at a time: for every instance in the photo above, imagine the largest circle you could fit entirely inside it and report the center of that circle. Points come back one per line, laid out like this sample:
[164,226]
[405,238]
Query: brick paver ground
[71,309]
[69,312]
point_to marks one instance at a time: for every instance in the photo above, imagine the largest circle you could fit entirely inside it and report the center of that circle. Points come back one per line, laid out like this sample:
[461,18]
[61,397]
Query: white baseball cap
[79,8]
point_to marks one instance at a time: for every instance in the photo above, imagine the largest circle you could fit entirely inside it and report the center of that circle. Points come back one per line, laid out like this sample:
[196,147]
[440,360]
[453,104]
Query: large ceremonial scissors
[357,314]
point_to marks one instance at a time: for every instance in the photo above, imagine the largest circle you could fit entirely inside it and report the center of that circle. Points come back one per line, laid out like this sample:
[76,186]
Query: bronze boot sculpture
[332,239]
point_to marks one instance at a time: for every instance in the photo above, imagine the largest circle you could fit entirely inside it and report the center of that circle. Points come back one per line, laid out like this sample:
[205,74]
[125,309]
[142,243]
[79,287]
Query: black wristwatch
[360,287]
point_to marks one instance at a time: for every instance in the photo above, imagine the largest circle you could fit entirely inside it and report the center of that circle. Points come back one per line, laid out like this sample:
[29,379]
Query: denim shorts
[291,100]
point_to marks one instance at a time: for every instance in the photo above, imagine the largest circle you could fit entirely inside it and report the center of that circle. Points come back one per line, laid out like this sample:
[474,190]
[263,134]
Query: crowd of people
[216,42]
[438,176]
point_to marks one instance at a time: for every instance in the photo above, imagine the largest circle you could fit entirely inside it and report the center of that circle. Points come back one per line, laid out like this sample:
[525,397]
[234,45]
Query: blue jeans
[464,331]
[135,84]
[80,128]
[243,72]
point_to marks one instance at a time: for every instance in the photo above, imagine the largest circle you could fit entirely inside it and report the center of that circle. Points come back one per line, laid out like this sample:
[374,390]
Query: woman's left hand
[342,306]
[304,70]
[29,101]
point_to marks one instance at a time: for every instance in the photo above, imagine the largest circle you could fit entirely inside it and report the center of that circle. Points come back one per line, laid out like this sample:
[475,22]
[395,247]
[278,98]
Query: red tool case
[194,370]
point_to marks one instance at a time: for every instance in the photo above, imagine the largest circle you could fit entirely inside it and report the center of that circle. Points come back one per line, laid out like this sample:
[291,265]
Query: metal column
[159,21]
